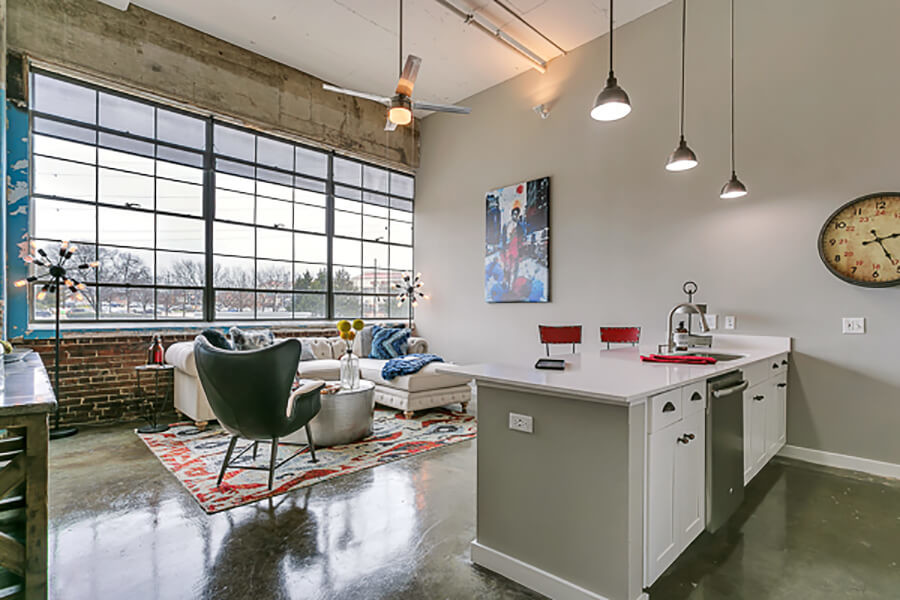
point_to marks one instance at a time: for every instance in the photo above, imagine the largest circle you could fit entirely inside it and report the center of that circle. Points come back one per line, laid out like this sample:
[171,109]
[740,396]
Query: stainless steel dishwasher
[724,447]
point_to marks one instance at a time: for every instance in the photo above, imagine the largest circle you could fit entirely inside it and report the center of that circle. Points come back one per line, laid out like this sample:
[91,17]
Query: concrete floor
[123,527]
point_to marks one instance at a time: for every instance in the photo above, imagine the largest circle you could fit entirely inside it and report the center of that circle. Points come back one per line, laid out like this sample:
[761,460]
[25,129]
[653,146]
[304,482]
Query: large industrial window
[191,218]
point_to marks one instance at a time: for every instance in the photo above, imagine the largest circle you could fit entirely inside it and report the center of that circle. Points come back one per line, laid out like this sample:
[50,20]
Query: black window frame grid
[210,161]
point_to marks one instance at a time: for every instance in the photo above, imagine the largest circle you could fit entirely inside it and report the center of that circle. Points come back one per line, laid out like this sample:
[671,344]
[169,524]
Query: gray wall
[818,122]
[142,50]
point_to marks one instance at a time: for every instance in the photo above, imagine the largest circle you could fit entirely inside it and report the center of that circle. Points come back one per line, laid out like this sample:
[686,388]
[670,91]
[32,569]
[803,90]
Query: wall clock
[860,242]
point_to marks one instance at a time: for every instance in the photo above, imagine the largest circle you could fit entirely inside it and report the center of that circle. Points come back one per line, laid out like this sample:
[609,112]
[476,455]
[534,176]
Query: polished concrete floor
[122,527]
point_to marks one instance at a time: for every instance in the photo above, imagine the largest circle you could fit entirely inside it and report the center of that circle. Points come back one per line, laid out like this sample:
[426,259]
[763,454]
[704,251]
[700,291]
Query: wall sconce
[542,110]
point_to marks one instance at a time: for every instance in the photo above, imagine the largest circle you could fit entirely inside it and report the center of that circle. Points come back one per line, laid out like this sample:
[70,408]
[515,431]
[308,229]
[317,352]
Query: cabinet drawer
[665,409]
[757,372]
[778,365]
[693,398]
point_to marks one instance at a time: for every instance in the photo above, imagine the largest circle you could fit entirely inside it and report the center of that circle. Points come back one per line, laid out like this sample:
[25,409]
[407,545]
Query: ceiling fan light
[682,158]
[612,103]
[733,189]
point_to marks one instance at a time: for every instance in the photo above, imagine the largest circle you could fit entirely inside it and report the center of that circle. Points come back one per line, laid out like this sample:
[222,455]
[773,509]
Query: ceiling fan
[401,105]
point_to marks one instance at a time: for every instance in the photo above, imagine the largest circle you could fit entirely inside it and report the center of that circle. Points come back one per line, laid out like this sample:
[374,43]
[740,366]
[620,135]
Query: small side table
[155,402]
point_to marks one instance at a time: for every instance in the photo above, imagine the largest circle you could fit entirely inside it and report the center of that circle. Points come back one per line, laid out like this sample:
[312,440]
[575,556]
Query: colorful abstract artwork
[517,243]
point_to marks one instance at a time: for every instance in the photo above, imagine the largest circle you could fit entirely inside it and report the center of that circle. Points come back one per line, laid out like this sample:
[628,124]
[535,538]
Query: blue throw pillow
[389,343]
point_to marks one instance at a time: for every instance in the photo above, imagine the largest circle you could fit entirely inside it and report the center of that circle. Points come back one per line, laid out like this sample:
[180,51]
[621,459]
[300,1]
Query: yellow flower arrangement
[347,330]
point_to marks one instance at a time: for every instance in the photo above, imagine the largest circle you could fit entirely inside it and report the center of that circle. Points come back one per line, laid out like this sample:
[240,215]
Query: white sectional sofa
[425,389]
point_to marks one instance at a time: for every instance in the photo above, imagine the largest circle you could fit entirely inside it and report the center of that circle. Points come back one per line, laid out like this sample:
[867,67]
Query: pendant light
[682,158]
[400,110]
[612,103]
[733,188]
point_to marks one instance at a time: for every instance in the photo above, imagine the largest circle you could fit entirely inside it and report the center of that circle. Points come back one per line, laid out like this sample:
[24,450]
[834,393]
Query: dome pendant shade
[682,158]
[733,189]
[612,103]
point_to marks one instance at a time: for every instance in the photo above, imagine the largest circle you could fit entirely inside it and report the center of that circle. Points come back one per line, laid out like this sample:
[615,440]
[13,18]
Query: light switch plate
[729,322]
[853,325]
[522,423]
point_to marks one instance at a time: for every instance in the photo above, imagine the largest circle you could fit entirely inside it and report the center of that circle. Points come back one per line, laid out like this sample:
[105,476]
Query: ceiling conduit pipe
[538,63]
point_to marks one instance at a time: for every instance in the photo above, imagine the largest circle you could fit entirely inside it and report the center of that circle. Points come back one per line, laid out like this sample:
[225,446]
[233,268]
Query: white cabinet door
[748,434]
[662,547]
[755,403]
[773,419]
[690,479]
[781,410]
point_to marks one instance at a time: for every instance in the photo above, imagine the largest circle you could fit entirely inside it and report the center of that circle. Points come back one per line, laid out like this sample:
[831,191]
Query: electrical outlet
[522,423]
[855,325]
[730,322]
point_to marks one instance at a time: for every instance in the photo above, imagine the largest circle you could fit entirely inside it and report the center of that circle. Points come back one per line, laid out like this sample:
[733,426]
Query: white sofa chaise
[419,391]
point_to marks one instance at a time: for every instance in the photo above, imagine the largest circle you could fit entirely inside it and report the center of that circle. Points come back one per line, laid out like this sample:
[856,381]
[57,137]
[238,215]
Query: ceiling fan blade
[409,74]
[364,95]
[390,125]
[448,108]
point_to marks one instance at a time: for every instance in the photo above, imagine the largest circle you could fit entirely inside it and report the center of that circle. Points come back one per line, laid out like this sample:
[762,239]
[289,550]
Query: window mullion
[209,182]
[329,234]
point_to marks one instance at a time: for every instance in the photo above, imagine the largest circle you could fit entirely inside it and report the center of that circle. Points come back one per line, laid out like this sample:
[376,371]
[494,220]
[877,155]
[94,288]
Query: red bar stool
[620,335]
[560,334]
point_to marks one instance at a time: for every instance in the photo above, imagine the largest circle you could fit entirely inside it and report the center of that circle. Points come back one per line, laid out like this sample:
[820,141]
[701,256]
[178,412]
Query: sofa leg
[201,425]
[465,406]
[408,414]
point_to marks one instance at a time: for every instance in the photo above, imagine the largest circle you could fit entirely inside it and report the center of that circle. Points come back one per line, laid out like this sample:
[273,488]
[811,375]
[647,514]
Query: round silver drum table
[346,416]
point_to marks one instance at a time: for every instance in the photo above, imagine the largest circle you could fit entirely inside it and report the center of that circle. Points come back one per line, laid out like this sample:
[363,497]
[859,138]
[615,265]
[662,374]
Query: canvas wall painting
[517,243]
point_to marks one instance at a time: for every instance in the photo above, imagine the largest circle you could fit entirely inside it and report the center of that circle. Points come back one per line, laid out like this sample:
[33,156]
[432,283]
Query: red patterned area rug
[195,456]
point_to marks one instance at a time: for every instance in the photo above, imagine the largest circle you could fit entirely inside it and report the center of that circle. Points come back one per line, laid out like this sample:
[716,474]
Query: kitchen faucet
[678,340]
[684,338]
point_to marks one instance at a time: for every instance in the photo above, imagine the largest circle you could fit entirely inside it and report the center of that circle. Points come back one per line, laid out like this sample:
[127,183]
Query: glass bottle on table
[349,370]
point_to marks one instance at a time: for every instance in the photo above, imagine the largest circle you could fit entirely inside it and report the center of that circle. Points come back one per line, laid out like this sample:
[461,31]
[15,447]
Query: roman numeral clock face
[860,243]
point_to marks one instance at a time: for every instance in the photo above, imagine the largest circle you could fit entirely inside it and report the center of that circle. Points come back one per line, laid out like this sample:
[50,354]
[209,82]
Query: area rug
[195,456]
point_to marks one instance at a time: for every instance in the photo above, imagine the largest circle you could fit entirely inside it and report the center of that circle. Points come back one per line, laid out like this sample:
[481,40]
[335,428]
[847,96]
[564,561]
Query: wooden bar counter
[25,404]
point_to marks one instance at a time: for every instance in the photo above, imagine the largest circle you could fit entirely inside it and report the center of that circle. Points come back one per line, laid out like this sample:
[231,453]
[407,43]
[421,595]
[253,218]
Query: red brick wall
[97,376]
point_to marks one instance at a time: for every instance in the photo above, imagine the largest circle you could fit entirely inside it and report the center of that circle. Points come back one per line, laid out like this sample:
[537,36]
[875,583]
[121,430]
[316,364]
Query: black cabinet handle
[784,361]
[758,398]
[696,396]
[781,385]
[686,438]
[774,365]
[668,407]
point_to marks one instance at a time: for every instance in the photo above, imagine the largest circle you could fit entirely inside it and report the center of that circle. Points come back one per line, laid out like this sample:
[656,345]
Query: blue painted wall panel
[17,215]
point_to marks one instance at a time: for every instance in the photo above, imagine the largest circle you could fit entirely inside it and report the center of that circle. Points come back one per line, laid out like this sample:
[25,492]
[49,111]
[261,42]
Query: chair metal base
[229,461]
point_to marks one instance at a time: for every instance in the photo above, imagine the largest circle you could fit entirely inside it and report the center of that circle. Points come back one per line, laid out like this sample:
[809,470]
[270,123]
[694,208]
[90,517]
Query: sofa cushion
[181,354]
[320,347]
[306,352]
[362,344]
[244,339]
[389,343]
[328,369]
[426,379]
[217,339]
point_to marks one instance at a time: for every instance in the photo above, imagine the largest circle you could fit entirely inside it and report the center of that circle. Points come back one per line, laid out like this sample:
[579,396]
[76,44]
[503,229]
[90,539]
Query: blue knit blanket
[407,365]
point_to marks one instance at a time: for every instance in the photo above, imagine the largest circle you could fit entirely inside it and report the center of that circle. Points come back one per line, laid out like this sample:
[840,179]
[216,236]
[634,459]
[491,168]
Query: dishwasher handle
[740,387]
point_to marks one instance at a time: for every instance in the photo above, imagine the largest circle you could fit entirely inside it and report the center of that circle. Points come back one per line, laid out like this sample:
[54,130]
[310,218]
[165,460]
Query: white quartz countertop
[619,376]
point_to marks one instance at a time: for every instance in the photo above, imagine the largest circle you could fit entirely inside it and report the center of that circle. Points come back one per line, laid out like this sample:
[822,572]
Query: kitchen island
[608,487]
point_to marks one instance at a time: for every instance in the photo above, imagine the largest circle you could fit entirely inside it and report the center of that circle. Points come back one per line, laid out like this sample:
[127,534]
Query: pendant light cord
[400,72]
[732,87]
[610,38]
[683,34]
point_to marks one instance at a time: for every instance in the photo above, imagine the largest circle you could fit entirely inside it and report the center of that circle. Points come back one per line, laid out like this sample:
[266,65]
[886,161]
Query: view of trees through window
[191,218]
